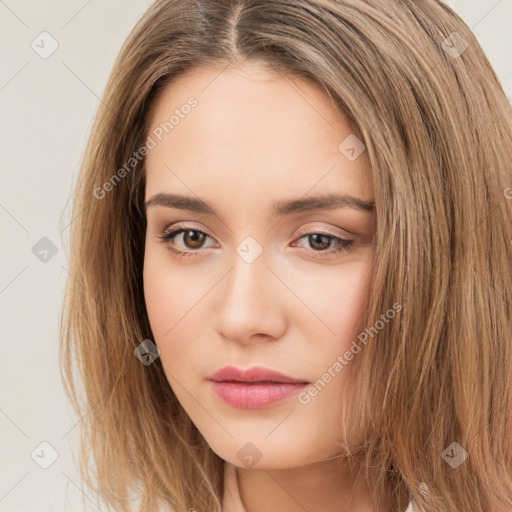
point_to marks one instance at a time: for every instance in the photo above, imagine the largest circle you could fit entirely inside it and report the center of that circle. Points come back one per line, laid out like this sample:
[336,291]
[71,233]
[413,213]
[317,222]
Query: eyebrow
[280,209]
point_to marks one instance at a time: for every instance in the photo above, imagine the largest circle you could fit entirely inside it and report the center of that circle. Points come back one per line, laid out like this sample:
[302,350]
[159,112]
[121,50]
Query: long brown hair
[417,89]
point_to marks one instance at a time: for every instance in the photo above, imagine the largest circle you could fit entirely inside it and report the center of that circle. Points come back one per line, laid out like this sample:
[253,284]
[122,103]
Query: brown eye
[326,244]
[193,239]
[316,242]
[185,241]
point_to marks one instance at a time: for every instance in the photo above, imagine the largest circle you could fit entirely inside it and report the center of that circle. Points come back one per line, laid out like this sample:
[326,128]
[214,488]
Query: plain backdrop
[47,107]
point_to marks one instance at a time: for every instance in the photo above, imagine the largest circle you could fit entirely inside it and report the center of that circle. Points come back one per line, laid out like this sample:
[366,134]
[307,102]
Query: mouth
[255,388]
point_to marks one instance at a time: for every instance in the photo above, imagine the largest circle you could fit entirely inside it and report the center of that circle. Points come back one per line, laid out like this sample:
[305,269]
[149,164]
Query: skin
[255,138]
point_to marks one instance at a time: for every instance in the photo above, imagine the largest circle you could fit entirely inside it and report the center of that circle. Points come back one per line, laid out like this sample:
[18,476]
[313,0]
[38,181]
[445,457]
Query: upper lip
[254,374]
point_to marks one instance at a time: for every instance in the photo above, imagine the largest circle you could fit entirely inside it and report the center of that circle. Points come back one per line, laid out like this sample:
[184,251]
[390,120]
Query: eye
[193,240]
[320,241]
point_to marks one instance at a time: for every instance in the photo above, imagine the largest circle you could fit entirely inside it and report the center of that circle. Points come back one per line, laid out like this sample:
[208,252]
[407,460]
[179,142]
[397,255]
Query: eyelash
[167,237]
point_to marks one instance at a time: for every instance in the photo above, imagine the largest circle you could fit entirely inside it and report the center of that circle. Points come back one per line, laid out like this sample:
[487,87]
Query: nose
[250,303]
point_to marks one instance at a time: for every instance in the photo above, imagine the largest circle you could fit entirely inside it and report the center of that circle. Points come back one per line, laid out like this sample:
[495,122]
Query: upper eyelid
[306,231]
[343,243]
[302,231]
[180,228]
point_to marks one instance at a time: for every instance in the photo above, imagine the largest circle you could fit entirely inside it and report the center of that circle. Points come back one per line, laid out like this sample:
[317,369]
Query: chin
[263,455]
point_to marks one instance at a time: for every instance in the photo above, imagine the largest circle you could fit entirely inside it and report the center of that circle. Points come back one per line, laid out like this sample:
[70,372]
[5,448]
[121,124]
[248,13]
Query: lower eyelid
[168,237]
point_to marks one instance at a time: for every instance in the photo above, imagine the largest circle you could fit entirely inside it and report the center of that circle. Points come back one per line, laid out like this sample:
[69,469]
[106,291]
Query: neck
[327,486]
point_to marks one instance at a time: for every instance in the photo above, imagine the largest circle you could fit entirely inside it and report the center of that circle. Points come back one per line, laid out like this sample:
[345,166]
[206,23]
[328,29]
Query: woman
[290,263]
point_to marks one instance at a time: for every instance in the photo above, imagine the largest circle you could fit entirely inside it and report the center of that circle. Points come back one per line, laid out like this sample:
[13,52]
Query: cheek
[168,291]
[340,303]
[333,299]
[173,302]
[161,293]
[350,298]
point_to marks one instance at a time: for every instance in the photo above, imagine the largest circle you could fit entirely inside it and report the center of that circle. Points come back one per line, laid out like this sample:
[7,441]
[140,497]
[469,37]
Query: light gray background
[47,107]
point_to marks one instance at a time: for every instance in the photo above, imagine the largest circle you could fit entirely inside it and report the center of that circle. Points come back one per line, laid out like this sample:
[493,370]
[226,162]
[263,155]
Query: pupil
[195,237]
[319,236]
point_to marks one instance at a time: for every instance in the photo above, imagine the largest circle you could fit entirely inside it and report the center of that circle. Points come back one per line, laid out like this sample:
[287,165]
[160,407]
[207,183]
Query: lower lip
[257,395]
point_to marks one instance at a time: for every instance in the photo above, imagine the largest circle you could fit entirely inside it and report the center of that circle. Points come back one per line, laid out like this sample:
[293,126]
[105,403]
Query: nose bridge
[248,304]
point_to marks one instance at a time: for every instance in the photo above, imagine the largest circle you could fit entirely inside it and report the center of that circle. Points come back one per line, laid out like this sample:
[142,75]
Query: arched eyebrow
[280,209]
[324,202]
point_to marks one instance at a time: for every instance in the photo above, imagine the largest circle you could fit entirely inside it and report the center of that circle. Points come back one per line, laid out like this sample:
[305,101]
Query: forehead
[253,131]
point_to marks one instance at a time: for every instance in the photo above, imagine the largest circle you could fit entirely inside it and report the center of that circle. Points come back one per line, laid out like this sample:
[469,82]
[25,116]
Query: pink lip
[254,388]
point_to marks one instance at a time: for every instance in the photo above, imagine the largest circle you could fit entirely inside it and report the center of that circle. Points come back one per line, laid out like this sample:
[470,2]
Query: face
[244,269]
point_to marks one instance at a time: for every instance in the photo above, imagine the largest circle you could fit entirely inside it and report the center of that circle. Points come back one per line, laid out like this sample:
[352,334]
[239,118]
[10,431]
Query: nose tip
[249,306]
